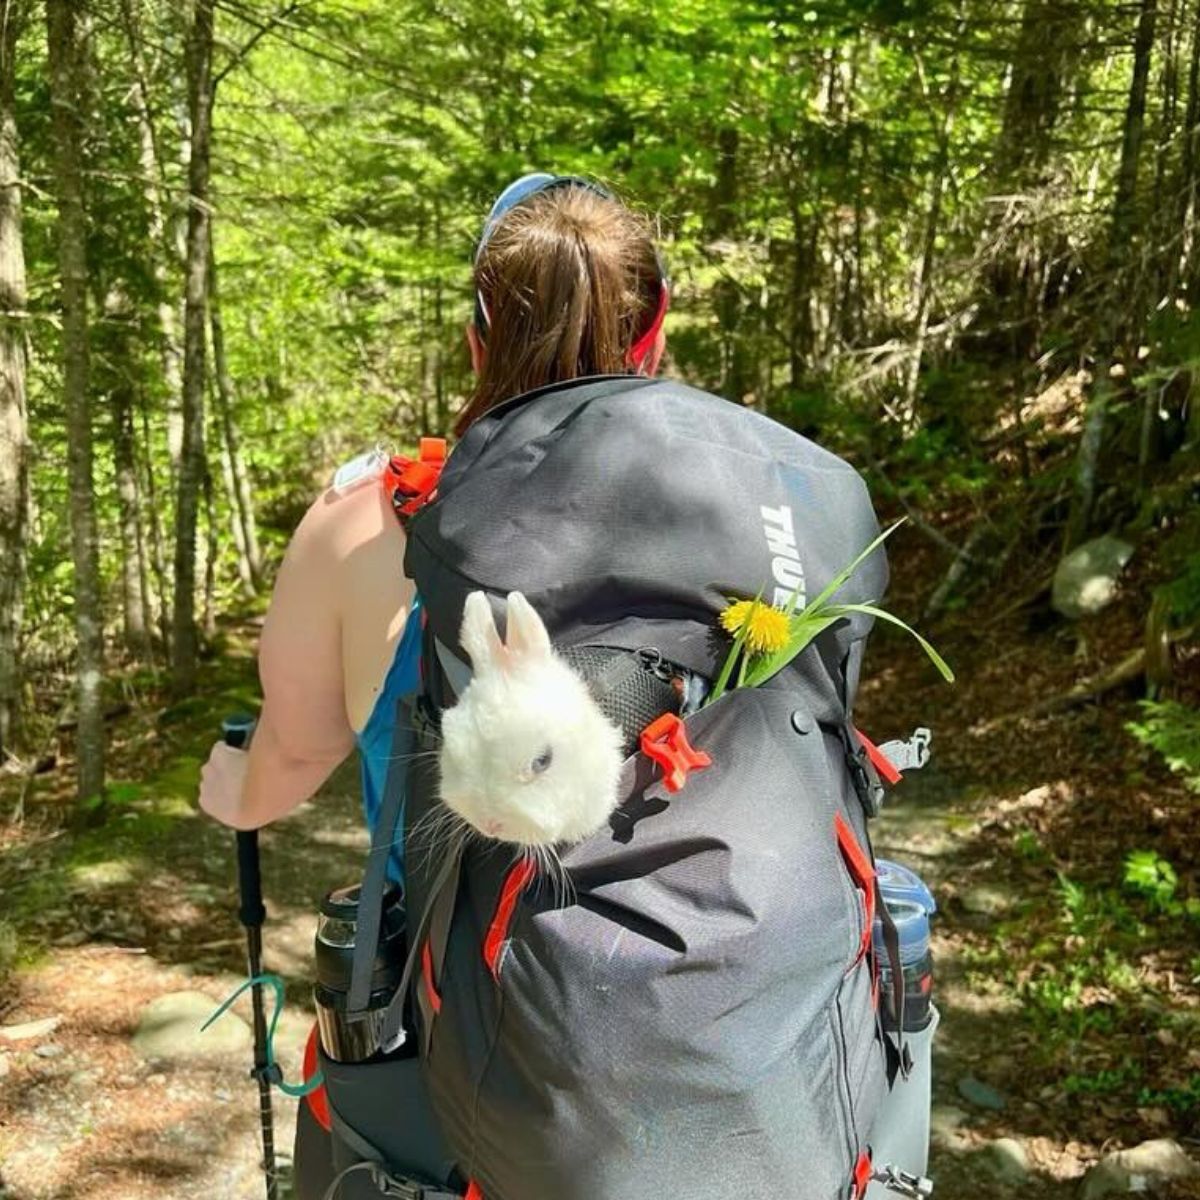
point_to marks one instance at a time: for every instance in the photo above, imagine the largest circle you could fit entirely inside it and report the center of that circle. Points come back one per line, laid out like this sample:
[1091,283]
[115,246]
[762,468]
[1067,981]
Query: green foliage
[1173,730]
[1156,880]
[1183,593]
[1183,1100]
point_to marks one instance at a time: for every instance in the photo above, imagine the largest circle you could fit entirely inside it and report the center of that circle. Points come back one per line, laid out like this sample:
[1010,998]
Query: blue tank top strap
[374,740]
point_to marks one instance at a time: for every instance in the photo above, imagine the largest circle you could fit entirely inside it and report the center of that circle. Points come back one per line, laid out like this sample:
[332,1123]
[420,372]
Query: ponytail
[567,280]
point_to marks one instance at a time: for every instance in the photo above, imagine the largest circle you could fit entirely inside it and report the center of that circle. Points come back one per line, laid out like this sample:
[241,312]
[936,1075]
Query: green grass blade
[871,611]
[843,575]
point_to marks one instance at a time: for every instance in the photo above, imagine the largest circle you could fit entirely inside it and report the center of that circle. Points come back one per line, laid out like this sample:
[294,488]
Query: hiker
[338,649]
[333,656]
[702,1006]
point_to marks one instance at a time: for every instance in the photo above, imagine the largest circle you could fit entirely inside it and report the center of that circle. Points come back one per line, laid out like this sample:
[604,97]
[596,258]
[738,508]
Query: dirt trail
[93,1121]
[82,1115]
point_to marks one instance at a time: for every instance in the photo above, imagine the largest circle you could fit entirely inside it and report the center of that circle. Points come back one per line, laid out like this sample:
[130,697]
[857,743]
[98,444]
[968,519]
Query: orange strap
[317,1100]
[862,871]
[880,761]
[515,882]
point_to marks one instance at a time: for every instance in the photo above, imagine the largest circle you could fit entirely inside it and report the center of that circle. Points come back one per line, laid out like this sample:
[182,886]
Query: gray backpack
[700,1017]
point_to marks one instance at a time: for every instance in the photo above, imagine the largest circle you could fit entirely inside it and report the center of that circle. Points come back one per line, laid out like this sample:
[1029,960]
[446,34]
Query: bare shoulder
[340,526]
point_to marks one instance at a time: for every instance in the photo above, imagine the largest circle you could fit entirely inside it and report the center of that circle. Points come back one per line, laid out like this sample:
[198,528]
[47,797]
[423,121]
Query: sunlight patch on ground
[93,876]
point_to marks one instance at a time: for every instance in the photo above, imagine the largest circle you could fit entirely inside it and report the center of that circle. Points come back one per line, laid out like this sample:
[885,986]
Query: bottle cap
[898,882]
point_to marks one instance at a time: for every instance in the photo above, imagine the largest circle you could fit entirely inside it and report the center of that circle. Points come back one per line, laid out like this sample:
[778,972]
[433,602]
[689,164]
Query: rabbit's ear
[526,634]
[478,634]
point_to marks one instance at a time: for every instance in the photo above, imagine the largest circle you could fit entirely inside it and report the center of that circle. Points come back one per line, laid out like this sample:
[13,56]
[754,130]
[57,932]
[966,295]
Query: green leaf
[805,627]
[881,615]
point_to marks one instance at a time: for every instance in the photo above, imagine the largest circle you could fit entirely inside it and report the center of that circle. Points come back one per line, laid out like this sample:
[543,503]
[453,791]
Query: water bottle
[360,1040]
[910,904]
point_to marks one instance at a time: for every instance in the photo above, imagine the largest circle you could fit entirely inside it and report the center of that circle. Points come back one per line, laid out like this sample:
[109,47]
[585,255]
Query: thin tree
[14,419]
[66,59]
[135,601]
[192,461]
[1121,321]
[233,466]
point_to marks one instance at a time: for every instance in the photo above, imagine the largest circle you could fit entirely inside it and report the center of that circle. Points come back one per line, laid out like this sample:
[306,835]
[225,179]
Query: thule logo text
[786,568]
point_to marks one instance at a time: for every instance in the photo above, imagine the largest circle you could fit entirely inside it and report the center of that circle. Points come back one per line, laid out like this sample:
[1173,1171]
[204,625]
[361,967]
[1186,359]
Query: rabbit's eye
[542,762]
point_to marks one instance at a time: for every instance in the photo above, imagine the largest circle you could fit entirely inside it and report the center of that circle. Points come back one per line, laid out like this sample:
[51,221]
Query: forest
[955,241]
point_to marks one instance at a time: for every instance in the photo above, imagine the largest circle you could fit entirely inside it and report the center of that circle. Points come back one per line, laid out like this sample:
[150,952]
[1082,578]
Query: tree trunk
[802,334]
[14,418]
[1042,66]
[241,496]
[158,554]
[161,241]
[1086,464]
[1124,211]
[1187,195]
[933,220]
[727,299]
[439,332]
[192,461]
[66,58]
[209,621]
[133,570]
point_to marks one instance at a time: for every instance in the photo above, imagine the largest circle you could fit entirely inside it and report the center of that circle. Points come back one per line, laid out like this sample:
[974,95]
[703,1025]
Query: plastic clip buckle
[916,1187]
[910,755]
[271,1072]
[412,481]
[398,1189]
[664,741]
[865,780]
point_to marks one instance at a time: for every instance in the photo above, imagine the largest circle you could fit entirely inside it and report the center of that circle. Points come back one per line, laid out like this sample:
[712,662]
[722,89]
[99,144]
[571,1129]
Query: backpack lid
[631,511]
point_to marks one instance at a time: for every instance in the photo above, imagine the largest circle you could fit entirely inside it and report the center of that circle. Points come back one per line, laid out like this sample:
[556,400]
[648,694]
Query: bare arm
[304,731]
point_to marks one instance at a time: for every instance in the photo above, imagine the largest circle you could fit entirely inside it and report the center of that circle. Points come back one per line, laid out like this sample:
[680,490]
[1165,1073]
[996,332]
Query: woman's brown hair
[568,279]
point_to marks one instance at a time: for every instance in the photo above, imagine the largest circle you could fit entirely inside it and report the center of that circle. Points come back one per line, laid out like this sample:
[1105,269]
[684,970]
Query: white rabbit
[526,756]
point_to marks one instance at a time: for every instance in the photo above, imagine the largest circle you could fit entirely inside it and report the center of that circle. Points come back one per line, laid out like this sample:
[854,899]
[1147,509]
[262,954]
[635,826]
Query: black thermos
[360,1040]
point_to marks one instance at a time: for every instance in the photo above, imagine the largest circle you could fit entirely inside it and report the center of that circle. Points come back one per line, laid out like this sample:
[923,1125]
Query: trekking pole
[236,732]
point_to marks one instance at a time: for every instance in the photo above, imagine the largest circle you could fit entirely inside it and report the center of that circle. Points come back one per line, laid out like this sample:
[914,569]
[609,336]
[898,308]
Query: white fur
[523,699]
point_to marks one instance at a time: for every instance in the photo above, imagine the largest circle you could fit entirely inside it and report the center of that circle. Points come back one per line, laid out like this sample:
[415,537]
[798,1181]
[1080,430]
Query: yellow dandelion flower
[769,627]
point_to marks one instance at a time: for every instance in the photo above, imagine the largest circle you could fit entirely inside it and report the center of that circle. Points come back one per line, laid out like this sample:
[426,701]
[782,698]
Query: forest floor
[1070,1003]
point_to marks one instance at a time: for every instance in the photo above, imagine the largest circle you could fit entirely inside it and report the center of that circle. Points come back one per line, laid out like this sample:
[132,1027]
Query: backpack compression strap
[370,898]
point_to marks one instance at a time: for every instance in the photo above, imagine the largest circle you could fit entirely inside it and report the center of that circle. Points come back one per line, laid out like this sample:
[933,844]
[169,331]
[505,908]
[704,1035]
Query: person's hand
[222,780]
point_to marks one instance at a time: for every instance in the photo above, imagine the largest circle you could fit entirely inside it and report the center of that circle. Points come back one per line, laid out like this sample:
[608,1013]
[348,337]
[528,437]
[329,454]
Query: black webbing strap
[442,914]
[393,1020]
[370,897]
[387,1182]
[891,943]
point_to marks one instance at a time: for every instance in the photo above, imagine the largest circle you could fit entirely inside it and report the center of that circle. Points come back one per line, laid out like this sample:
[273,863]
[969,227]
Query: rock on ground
[1138,1169]
[169,1030]
[980,1094]
[1085,581]
[1005,1160]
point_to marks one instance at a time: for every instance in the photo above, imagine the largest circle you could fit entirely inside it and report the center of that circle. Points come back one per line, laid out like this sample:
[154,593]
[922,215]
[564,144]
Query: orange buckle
[411,482]
[665,742]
